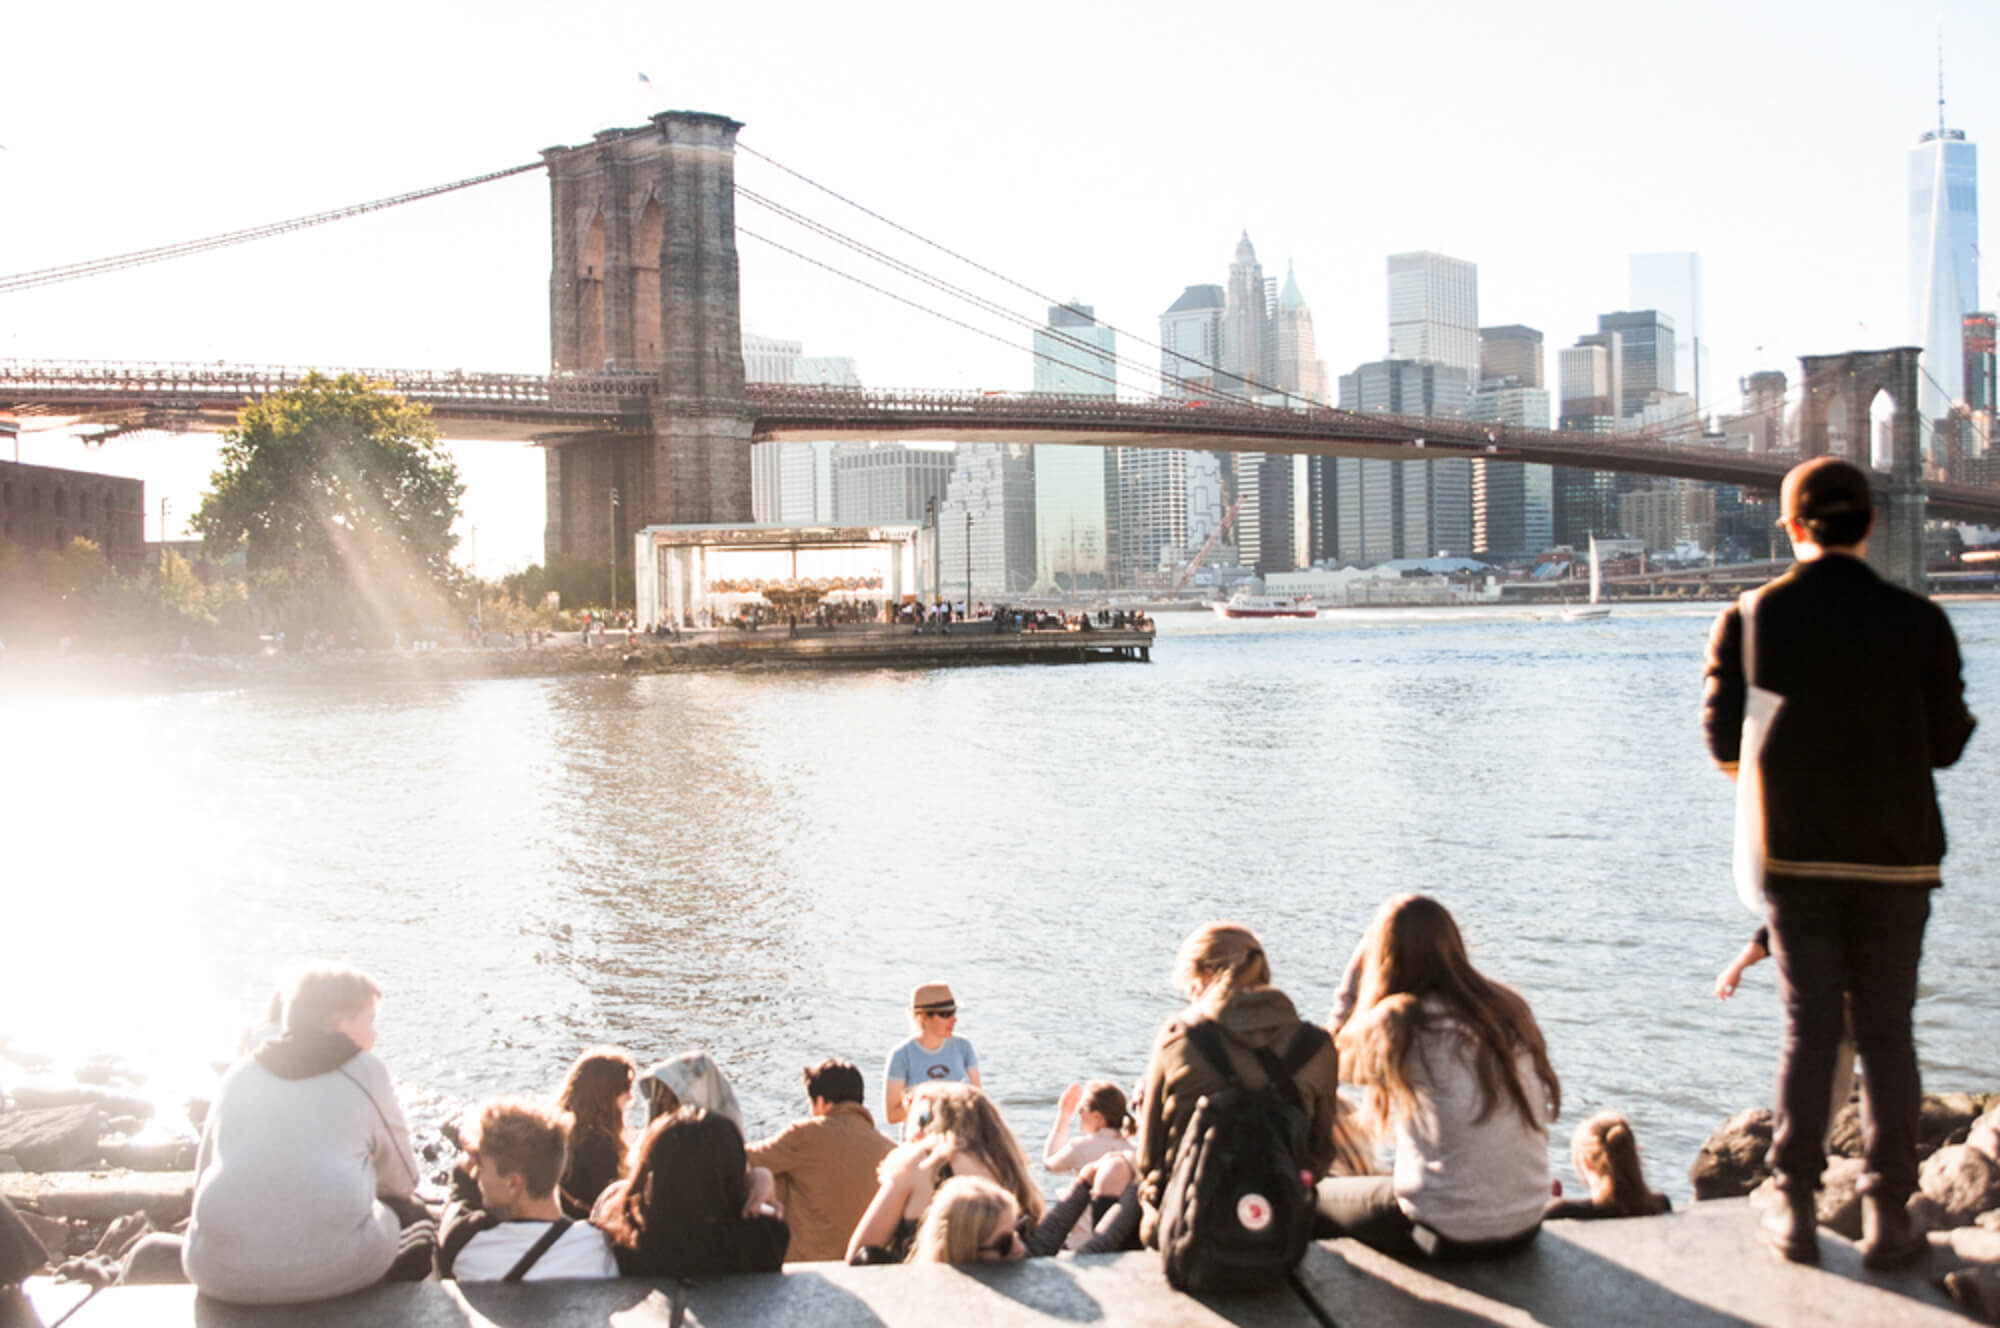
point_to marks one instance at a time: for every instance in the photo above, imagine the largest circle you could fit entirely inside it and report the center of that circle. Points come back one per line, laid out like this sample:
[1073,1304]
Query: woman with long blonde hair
[957,1131]
[1457,1068]
[1606,1157]
[970,1221]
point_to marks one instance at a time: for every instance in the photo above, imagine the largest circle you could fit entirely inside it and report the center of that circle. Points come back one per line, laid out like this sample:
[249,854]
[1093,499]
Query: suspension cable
[49,276]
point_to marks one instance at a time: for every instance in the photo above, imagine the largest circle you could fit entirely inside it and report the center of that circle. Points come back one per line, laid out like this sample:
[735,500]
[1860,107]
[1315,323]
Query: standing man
[1871,703]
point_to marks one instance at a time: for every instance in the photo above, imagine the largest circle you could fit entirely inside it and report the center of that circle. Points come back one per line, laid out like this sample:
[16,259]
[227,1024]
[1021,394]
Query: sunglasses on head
[923,1117]
[1002,1248]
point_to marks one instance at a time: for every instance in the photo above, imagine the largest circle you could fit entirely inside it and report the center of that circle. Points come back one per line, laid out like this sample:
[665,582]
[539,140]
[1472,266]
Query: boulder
[1838,1203]
[148,1154]
[1977,1290]
[20,1252]
[52,1232]
[1843,1138]
[51,1138]
[165,1196]
[1974,1244]
[1733,1159]
[76,1095]
[1962,1181]
[1985,1133]
[1946,1119]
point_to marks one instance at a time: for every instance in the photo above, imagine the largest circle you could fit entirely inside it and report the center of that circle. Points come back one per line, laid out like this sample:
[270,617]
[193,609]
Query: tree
[346,500]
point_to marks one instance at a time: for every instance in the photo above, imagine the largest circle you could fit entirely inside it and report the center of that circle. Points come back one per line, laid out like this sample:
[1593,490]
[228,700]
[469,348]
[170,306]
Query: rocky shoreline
[1958,1196]
[91,1161]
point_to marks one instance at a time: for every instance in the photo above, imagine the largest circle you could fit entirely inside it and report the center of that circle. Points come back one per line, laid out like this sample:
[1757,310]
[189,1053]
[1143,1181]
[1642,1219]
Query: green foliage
[48,595]
[344,499]
[579,583]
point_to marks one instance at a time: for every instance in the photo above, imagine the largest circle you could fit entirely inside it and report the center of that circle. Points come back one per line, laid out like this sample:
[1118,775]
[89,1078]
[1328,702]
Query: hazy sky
[1106,153]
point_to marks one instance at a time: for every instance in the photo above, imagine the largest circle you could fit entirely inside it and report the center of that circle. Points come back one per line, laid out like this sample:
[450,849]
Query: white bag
[1760,712]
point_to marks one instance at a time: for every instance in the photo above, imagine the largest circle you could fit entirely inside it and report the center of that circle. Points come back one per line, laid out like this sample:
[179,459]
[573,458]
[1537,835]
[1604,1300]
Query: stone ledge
[1701,1267]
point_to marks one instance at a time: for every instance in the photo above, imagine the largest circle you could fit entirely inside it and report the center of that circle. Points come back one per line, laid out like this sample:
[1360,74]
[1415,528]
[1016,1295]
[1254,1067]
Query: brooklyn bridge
[647,393]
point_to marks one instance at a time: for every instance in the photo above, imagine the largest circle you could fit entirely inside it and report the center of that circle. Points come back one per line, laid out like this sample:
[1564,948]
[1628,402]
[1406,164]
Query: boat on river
[1243,604]
[1596,609]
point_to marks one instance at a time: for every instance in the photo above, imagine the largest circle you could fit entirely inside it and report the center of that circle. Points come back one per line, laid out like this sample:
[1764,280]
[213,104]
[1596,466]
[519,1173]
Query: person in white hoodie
[1457,1068]
[305,1177]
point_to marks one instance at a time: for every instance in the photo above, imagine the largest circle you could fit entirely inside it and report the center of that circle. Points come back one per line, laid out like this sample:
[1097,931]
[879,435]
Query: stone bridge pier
[1852,380]
[643,281]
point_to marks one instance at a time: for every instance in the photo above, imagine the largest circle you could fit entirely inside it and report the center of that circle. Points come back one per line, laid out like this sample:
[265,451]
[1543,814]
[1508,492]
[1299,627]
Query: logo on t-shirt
[938,1072]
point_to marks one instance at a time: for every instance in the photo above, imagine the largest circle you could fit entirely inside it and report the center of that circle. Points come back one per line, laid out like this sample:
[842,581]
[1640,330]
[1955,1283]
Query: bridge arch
[590,293]
[1855,380]
[649,238]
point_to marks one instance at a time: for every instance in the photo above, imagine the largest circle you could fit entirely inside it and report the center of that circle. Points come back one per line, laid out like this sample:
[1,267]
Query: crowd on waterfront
[1459,1097]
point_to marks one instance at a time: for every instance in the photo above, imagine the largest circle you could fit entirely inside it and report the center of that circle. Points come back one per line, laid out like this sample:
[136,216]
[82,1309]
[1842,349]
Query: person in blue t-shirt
[932,1056]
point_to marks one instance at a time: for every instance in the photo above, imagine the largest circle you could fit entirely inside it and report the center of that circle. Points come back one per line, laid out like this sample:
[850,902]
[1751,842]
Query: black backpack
[1237,1212]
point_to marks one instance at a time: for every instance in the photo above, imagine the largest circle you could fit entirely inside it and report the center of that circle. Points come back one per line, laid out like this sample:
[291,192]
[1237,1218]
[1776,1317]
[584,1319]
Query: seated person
[304,1180]
[691,1079]
[505,1223]
[825,1166]
[595,1093]
[957,1132]
[935,1054]
[1607,1162]
[970,1221]
[693,1207]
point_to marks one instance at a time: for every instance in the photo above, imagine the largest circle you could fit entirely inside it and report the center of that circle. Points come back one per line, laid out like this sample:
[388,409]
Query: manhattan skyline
[1778,153]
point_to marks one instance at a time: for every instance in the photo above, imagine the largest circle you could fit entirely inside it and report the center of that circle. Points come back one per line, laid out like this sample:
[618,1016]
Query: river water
[764,865]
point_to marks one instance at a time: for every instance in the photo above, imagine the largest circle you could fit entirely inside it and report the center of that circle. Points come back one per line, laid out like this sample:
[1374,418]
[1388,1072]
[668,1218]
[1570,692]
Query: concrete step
[1701,1267]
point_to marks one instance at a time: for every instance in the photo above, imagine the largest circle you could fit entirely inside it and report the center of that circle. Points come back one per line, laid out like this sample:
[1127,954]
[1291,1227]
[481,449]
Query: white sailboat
[1596,608]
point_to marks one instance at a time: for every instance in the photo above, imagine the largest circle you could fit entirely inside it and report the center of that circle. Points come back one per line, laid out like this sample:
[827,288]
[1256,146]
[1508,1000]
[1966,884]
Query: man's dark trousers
[1848,948]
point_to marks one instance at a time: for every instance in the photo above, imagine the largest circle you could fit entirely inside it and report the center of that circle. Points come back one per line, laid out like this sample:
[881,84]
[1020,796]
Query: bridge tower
[643,282]
[1853,379]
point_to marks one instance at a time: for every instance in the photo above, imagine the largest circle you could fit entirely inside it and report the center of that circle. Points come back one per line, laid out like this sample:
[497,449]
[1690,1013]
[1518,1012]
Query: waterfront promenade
[1702,1267]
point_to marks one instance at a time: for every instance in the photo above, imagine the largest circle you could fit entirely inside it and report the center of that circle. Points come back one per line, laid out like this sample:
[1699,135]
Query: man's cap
[1825,486]
[931,996]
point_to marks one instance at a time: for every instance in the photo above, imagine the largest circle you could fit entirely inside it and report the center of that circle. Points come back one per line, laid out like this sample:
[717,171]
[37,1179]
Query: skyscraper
[1512,503]
[1645,357]
[1191,342]
[1434,310]
[1075,354]
[888,481]
[1944,258]
[1248,346]
[1511,351]
[1076,488]
[1586,501]
[994,485]
[1299,371]
[1671,283]
[1403,509]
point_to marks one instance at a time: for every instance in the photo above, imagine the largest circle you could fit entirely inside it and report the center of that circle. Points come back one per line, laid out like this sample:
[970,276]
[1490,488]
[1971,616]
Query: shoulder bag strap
[1206,1038]
[1307,1039]
[1746,617]
[537,1250]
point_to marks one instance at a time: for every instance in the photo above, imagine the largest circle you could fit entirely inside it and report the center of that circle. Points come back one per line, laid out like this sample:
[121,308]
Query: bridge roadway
[129,397]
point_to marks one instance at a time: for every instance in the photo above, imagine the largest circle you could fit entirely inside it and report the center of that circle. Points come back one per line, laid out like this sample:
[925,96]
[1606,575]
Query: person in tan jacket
[825,1166]
[1227,977]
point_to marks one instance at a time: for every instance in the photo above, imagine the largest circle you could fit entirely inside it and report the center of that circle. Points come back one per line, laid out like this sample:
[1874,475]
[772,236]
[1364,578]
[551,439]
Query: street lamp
[613,605]
[968,564]
[164,504]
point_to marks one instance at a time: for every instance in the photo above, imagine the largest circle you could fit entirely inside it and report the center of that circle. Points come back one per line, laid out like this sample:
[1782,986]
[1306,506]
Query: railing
[166,381]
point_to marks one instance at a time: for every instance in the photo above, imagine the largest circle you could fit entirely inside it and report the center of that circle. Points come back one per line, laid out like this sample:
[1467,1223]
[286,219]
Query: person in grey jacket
[303,1146]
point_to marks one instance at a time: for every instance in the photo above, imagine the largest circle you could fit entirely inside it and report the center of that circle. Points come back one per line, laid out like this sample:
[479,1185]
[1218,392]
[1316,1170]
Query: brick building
[45,507]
